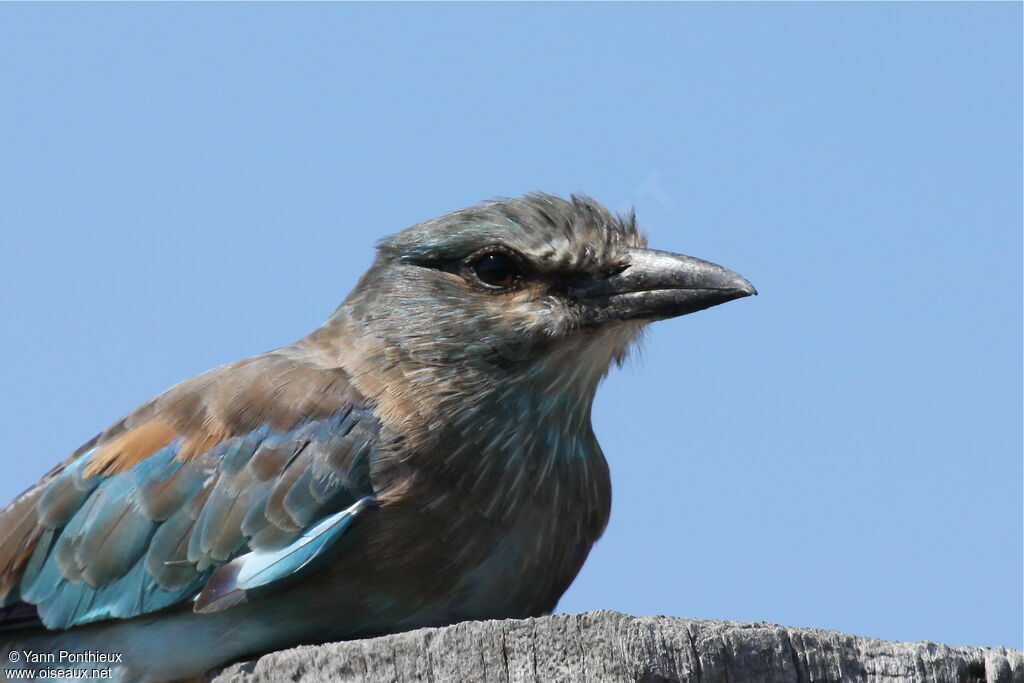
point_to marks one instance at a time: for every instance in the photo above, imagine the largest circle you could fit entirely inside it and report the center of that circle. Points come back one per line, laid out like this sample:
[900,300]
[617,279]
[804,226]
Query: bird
[424,457]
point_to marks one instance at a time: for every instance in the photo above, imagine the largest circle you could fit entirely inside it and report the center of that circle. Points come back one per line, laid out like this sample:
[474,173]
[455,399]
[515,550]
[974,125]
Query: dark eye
[496,269]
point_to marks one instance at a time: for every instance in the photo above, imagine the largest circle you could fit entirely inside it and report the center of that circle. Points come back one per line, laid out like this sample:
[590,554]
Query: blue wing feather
[269,503]
[231,583]
[261,568]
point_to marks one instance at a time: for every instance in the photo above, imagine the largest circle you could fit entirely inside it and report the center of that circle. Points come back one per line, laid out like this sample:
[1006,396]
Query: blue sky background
[186,185]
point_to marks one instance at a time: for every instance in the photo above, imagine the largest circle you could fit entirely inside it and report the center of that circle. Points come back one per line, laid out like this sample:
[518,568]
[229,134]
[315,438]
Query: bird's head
[536,293]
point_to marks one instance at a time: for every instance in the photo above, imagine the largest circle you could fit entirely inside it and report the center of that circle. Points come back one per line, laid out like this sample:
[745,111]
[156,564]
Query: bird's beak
[657,284]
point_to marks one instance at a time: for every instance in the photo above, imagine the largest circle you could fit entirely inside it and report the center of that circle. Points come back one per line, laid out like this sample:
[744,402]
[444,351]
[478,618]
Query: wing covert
[116,542]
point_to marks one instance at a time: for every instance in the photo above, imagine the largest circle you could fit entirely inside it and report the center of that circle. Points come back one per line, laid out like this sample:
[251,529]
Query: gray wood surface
[609,646]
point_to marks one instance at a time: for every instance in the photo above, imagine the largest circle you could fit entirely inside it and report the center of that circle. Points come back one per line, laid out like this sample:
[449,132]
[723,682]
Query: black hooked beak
[658,284]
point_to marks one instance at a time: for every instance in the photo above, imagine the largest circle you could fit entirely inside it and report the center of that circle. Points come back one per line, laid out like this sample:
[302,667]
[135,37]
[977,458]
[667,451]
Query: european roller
[425,457]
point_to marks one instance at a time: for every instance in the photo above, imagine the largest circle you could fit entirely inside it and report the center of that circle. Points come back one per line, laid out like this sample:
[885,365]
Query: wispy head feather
[578,234]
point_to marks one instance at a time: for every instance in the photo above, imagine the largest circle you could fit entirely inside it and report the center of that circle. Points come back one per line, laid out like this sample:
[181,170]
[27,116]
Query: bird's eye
[496,270]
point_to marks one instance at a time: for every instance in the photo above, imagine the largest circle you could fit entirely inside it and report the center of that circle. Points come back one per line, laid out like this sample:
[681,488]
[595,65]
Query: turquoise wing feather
[250,511]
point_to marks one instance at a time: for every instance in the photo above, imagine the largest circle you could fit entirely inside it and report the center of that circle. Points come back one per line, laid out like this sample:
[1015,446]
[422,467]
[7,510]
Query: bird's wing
[224,484]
